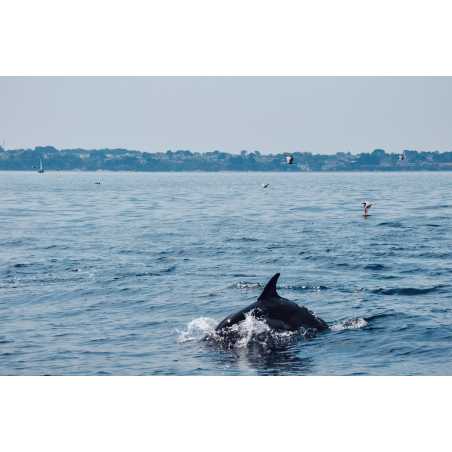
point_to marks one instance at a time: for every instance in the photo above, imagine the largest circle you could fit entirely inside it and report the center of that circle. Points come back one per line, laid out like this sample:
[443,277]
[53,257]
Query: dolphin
[278,313]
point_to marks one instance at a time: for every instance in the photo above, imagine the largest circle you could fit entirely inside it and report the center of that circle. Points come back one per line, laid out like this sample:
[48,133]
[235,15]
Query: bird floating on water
[367,206]
[265,185]
[289,160]
[96,183]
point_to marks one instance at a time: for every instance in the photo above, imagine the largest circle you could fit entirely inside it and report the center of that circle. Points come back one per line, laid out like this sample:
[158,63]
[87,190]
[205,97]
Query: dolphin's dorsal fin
[270,289]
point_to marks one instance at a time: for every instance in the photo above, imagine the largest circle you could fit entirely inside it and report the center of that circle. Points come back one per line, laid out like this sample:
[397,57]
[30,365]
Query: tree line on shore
[185,160]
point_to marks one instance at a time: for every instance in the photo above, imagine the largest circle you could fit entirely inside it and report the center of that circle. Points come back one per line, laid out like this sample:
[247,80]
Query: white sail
[40,164]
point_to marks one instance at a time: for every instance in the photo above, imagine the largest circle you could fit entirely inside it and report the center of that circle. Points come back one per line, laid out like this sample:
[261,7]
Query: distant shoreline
[114,160]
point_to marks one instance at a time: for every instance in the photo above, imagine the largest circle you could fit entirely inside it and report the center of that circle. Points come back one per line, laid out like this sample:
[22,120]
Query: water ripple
[131,279]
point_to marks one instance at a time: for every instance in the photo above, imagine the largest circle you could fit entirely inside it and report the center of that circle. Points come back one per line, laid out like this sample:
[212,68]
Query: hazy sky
[269,114]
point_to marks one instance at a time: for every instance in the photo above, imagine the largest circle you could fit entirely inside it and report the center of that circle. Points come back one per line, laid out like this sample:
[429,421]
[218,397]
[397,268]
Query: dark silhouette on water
[277,312]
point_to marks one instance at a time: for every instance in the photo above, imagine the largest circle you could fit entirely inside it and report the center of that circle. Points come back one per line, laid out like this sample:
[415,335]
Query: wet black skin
[279,313]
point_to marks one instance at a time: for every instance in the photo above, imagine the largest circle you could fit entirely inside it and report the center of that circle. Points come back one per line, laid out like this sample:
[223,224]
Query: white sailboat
[40,166]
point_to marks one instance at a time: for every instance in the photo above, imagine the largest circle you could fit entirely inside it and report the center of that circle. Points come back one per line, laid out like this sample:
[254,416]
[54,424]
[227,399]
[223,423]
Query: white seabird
[351,161]
[367,206]
[401,157]
[265,185]
[289,160]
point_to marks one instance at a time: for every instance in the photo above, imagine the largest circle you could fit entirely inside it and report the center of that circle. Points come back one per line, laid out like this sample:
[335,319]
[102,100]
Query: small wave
[243,239]
[434,255]
[374,267]
[255,286]
[282,286]
[247,285]
[166,259]
[282,246]
[168,270]
[131,275]
[391,225]
[12,243]
[445,206]
[197,329]
[408,290]
[350,324]
[320,287]
[357,289]
[439,310]
[386,316]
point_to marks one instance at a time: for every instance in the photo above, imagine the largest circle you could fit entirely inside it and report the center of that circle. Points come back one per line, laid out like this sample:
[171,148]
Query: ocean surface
[129,277]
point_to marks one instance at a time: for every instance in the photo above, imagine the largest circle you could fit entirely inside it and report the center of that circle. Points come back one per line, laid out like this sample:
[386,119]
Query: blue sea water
[129,276]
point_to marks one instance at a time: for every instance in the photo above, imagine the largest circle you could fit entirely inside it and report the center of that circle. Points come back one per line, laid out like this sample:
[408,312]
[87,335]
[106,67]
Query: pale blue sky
[269,114]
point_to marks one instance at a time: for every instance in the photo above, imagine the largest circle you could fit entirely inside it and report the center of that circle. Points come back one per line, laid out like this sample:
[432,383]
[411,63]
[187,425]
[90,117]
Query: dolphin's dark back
[277,312]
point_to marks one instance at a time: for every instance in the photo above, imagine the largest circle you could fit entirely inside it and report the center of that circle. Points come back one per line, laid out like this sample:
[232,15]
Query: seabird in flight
[289,160]
[265,185]
[367,206]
